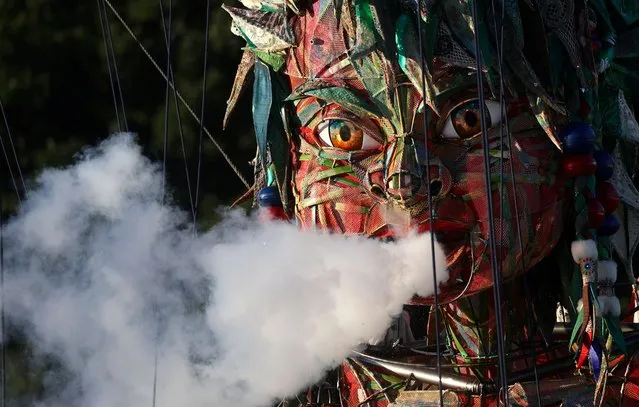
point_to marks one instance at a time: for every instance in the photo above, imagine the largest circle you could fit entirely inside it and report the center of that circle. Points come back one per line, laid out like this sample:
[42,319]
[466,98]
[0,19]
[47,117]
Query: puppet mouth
[445,230]
[445,227]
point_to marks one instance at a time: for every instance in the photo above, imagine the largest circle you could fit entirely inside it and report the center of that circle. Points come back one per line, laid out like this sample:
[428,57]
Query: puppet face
[360,164]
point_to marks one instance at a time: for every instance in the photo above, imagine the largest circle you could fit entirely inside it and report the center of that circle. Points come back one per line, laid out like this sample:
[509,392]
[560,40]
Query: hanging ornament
[578,138]
[605,165]
[607,52]
[606,277]
[596,213]
[585,254]
[609,226]
[608,196]
[578,165]
[270,204]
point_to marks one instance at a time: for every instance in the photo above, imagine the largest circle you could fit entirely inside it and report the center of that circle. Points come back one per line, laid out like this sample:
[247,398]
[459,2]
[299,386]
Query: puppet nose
[402,185]
[402,166]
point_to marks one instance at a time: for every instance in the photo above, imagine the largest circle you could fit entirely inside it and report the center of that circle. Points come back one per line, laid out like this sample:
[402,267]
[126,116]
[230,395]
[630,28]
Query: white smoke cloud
[103,275]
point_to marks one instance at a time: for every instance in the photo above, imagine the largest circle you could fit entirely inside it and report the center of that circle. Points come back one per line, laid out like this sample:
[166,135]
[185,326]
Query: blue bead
[578,138]
[269,196]
[605,165]
[609,226]
[588,266]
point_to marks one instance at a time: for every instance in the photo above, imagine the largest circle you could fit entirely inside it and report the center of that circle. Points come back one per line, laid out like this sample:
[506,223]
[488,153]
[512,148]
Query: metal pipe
[454,381]
[449,380]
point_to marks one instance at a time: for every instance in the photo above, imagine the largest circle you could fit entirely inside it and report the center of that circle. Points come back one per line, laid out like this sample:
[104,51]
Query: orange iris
[345,135]
[466,119]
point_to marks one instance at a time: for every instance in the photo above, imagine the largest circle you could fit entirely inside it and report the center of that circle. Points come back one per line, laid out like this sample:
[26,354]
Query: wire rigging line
[505,128]
[430,200]
[13,179]
[108,61]
[114,77]
[201,133]
[496,268]
[107,24]
[3,336]
[167,94]
[15,156]
[177,110]
[179,95]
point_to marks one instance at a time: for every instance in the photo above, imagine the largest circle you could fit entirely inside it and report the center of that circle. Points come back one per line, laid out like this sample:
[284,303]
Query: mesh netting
[450,52]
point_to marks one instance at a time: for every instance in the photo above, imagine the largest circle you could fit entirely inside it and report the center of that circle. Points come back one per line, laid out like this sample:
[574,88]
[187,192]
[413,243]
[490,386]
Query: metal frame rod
[448,380]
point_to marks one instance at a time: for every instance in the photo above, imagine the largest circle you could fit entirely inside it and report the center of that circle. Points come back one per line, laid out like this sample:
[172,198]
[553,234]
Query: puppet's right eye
[464,121]
[345,135]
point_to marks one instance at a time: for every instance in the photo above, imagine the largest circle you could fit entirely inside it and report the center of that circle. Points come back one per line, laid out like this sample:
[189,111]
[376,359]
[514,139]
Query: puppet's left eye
[464,121]
[345,135]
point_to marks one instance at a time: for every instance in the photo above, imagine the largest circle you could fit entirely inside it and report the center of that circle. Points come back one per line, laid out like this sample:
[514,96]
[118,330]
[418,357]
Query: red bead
[270,213]
[608,196]
[576,165]
[596,214]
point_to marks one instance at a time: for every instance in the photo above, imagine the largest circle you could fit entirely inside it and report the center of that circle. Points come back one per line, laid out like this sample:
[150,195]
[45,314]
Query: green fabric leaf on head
[239,84]
[376,72]
[367,35]
[511,8]
[343,97]
[602,11]
[628,10]
[262,103]
[278,133]
[278,6]
[459,17]
[275,61]
[610,116]
[626,45]
[625,79]
[324,6]
[409,58]
[267,31]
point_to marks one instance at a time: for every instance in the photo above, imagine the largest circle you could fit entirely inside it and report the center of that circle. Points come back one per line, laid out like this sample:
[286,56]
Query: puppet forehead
[543,50]
[331,49]
[371,55]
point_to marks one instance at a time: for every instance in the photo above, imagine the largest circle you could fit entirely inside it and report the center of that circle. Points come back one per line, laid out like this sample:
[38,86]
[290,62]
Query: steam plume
[103,275]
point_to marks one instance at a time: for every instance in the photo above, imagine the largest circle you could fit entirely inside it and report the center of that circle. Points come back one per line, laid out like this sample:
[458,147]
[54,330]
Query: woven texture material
[379,117]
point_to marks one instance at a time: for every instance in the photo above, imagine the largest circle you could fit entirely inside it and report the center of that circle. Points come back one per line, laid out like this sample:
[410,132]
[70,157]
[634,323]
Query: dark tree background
[55,87]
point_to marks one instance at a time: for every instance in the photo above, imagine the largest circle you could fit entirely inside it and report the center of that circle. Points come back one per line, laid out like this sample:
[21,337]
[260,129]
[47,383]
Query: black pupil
[345,133]
[471,118]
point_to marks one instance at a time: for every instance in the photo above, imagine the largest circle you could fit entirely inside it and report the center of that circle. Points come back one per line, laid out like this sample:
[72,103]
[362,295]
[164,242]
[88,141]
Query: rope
[430,202]
[169,86]
[505,128]
[3,336]
[201,135]
[115,66]
[13,180]
[177,111]
[496,268]
[179,95]
[108,61]
[15,157]
[114,77]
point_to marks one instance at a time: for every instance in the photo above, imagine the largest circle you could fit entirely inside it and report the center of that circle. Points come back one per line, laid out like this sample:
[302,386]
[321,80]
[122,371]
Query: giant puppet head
[368,118]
